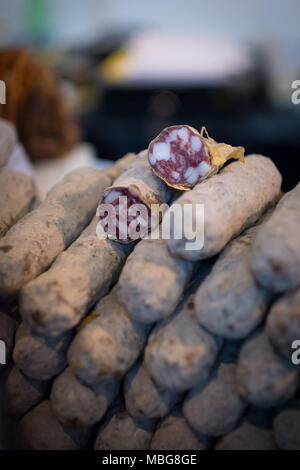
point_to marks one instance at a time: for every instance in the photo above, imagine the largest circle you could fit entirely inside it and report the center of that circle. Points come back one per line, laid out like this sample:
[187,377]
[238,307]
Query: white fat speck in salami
[182,157]
[183,134]
[196,143]
[112,196]
[162,151]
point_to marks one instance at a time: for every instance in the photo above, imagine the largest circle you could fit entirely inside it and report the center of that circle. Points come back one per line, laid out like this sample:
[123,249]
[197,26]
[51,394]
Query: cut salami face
[131,206]
[182,157]
[141,219]
[179,155]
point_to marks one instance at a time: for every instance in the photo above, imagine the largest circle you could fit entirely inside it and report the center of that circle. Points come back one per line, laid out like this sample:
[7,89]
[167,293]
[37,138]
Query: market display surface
[139,342]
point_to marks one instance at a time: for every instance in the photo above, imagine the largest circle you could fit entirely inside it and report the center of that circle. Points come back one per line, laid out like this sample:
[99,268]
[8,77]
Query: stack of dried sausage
[157,345]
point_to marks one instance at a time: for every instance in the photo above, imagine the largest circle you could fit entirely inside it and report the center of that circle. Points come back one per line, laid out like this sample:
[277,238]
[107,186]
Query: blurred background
[89,80]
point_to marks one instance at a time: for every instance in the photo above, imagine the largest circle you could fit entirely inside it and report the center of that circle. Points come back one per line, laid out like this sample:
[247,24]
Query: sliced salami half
[182,157]
[136,198]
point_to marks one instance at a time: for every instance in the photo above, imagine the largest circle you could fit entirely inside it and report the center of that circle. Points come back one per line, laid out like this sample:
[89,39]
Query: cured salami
[14,204]
[152,281]
[135,197]
[40,430]
[232,200]
[33,243]
[119,430]
[276,248]
[231,284]
[283,323]
[76,405]
[264,378]
[248,436]
[174,433]
[58,299]
[199,407]
[24,392]
[182,157]
[107,344]
[179,352]
[144,398]
[40,357]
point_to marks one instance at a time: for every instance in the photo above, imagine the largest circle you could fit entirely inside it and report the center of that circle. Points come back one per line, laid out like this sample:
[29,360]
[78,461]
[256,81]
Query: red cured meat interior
[131,199]
[187,150]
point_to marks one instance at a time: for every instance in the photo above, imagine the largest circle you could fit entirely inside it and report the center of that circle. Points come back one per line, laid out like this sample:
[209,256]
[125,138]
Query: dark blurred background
[135,67]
